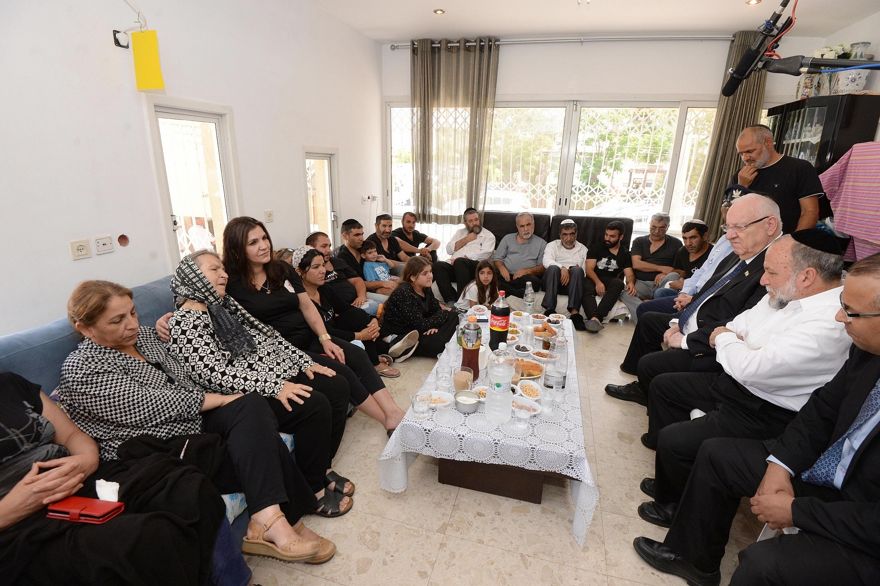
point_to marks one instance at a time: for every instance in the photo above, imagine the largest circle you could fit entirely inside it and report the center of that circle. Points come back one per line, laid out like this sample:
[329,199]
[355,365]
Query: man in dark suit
[752,224]
[821,476]
[774,356]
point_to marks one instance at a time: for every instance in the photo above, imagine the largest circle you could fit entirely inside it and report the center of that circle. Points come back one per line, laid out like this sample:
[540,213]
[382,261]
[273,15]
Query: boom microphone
[752,57]
[743,69]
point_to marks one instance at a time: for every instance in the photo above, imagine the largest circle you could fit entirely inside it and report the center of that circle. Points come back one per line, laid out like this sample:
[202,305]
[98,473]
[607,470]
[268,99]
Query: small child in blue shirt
[374,269]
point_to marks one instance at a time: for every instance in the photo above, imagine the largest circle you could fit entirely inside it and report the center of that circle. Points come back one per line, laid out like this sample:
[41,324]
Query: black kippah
[733,192]
[820,240]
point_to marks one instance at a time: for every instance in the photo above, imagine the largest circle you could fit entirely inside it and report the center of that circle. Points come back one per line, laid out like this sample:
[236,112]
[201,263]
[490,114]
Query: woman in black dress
[272,291]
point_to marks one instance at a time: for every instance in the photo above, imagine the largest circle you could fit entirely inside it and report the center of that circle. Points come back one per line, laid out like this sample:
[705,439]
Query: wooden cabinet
[822,129]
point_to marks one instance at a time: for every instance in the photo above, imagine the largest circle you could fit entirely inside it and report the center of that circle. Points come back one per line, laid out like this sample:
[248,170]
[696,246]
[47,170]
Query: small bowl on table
[529,389]
[467,401]
[522,350]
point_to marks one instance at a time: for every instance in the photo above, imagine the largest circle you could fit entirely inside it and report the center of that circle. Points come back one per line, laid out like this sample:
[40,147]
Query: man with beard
[774,356]
[564,269]
[792,183]
[411,240]
[688,259]
[519,256]
[606,267]
[387,245]
[350,254]
[752,224]
[467,247]
[822,475]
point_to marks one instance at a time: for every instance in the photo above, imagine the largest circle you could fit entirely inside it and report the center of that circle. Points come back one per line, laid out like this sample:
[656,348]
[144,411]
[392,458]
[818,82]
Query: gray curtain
[741,109]
[453,97]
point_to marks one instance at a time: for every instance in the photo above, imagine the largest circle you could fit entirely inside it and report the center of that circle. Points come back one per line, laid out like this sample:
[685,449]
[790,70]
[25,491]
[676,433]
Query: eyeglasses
[851,316]
[741,227]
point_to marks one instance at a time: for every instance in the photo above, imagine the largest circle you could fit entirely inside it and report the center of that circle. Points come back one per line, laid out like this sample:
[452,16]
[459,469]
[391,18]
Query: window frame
[569,139]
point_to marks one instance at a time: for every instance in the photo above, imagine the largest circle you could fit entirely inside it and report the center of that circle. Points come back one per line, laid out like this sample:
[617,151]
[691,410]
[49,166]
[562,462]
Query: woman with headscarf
[120,384]
[273,292]
[225,349]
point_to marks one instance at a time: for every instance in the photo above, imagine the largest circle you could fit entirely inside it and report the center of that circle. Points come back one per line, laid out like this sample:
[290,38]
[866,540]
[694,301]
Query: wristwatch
[324,337]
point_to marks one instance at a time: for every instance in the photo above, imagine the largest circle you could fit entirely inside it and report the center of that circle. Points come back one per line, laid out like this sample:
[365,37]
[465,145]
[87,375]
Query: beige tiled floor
[441,535]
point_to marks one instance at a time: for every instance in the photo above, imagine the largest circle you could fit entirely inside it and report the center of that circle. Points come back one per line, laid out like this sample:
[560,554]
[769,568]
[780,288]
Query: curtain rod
[555,40]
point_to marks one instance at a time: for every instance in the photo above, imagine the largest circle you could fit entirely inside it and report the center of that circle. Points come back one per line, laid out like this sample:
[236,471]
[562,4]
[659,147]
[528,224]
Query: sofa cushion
[591,229]
[503,223]
[38,353]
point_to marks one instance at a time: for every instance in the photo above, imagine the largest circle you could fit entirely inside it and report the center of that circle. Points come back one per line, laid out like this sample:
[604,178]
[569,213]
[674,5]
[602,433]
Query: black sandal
[330,505]
[341,481]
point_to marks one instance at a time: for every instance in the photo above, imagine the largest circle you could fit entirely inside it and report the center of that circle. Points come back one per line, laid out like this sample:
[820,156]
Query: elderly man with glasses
[652,258]
[752,224]
[822,475]
[774,356]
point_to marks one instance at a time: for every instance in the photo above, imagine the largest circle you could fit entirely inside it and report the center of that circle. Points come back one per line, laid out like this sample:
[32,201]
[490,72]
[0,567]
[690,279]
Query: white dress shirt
[479,249]
[556,255]
[785,354]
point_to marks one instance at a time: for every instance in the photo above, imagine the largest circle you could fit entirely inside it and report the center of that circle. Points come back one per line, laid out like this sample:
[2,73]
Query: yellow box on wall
[147,70]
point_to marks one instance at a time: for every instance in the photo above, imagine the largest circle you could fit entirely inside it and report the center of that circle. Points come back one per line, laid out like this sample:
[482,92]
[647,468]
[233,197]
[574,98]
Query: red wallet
[84,510]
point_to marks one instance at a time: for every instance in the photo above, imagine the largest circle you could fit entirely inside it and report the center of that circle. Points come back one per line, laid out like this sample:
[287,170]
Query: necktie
[824,470]
[695,303]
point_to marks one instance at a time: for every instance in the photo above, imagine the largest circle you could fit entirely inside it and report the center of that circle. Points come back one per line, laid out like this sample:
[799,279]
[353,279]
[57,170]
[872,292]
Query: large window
[574,158]
[524,159]
[622,161]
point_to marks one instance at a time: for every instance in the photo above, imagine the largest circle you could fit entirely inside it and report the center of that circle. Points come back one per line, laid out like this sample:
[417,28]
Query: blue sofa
[37,355]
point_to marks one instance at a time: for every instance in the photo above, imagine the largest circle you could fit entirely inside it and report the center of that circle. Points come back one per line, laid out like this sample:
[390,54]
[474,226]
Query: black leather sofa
[591,229]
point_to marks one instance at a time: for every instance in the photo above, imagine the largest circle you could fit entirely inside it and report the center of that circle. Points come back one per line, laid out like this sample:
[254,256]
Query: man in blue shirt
[821,476]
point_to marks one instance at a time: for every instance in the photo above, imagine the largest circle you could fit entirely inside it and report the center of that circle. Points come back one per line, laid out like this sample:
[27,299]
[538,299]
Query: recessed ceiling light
[441,11]
[753,2]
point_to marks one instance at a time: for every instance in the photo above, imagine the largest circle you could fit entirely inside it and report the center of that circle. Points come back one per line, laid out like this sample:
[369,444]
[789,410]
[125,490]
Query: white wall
[867,29]
[76,153]
[610,71]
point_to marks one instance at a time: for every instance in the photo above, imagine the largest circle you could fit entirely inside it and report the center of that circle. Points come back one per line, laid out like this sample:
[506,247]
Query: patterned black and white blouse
[113,396]
[263,371]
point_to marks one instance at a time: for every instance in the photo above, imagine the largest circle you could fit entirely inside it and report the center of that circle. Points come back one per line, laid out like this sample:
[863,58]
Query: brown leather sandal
[326,551]
[254,543]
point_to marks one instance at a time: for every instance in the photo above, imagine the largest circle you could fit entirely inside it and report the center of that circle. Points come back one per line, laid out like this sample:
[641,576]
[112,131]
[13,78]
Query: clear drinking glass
[421,405]
[462,378]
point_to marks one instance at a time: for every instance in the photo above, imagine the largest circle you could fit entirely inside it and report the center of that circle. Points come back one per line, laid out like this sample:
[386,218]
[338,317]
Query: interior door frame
[331,155]
[223,117]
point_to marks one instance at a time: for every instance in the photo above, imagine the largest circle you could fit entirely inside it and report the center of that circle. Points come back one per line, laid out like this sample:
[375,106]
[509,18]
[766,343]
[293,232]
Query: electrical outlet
[368,198]
[80,249]
[268,216]
[103,244]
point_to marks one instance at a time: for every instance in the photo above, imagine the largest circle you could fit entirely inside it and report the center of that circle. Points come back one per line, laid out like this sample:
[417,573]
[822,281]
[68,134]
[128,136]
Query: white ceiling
[402,20]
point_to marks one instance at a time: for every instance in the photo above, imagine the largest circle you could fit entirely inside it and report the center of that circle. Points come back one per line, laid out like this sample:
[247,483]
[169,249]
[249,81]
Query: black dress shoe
[667,561]
[647,487]
[630,392]
[657,514]
[647,442]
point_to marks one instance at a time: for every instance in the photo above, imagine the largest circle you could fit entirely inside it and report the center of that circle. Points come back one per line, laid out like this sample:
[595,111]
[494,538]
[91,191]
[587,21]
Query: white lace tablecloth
[553,443]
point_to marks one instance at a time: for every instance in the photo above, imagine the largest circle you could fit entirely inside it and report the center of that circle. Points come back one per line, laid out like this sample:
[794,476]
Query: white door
[320,193]
[191,159]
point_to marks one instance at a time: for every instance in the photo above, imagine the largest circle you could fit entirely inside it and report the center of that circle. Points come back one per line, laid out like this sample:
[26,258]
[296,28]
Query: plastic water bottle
[529,298]
[555,370]
[499,399]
